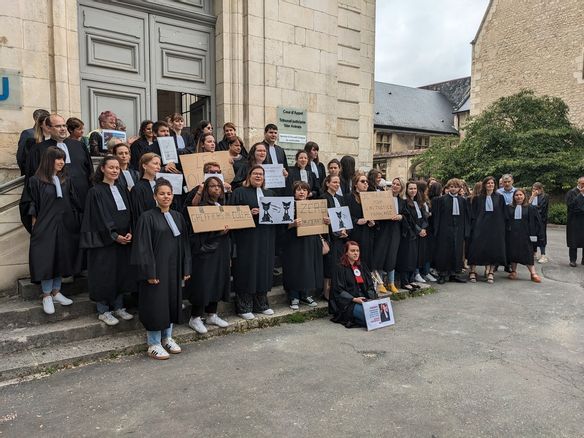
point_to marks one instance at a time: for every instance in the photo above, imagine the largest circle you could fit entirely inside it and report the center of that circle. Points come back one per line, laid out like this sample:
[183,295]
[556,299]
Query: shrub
[558,213]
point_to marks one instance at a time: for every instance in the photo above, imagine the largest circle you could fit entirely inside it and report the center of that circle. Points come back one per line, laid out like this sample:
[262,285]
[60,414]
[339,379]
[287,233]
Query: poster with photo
[378,313]
[276,210]
[108,134]
[340,219]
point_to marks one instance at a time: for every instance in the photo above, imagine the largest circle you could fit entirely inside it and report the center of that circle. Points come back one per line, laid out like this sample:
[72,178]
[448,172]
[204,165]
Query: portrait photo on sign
[276,210]
[378,313]
[108,134]
[340,219]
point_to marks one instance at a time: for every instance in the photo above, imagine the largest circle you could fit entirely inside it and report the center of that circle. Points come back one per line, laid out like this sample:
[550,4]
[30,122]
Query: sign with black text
[378,313]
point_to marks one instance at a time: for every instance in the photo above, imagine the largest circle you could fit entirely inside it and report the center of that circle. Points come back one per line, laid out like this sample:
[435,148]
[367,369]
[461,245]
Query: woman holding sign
[128,177]
[301,172]
[211,256]
[363,229]
[105,233]
[254,250]
[302,258]
[162,254]
[352,287]
[142,195]
[336,239]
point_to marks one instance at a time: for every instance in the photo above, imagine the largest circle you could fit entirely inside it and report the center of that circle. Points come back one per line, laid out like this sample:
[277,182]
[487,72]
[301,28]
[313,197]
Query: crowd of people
[125,228]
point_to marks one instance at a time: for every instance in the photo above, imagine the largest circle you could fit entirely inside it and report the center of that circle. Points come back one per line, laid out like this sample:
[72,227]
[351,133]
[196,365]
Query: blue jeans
[297,294]
[155,337]
[359,315]
[50,285]
[104,306]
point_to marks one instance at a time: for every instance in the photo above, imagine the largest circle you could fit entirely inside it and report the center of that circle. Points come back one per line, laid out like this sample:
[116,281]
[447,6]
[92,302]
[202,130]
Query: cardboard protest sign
[312,214]
[168,151]
[215,218]
[340,218]
[193,165]
[175,179]
[377,205]
[108,134]
[274,176]
[276,210]
[378,313]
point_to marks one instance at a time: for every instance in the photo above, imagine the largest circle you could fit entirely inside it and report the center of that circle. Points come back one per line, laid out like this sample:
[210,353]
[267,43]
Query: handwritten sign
[274,174]
[175,179]
[215,218]
[377,205]
[312,214]
[193,166]
[340,219]
[276,210]
[167,150]
[378,313]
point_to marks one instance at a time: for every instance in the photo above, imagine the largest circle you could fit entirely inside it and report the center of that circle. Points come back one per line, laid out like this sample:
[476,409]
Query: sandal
[512,275]
[535,278]
[490,278]
[472,277]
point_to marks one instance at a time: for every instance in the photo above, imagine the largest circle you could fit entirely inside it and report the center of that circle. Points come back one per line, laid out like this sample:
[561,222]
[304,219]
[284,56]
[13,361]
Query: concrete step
[50,359]
[30,291]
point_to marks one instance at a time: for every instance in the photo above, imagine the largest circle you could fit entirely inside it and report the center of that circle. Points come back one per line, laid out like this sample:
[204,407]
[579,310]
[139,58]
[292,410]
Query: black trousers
[574,254]
[246,303]
[198,311]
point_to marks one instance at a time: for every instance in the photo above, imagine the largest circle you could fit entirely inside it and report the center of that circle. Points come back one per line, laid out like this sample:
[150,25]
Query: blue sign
[10,89]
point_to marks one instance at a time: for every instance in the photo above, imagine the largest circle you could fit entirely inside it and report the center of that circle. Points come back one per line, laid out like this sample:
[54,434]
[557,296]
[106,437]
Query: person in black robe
[525,229]
[575,224]
[27,138]
[54,211]
[347,173]
[352,286]
[253,263]
[142,195]
[363,231]
[540,200]
[257,156]
[301,172]
[302,258]
[211,255]
[128,176]
[183,140]
[425,242]
[488,214]
[229,137]
[388,237]
[141,145]
[79,166]
[235,149]
[336,240]
[451,228]
[162,254]
[412,226]
[315,165]
[106,234]
[107,120]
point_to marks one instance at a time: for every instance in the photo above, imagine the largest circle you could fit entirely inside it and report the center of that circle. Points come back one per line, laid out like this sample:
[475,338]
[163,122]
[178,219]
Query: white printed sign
[340,219]
[276,210]
[167,150]
[378,313]
[175,179]
[274,176]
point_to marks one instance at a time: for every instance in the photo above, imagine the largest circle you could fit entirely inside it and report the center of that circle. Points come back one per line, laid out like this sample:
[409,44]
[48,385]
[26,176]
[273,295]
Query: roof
[464,107]
[413,109]
[482,22]
[455,90]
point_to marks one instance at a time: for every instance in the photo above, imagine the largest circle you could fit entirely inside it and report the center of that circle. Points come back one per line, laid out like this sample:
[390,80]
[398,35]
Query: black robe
[302,262]
[294,175]
[138,148]
[96,144]
[211,264]
[108,262]
[519,245]
[424,243]
[364,235]
[54,241]
[487,241]
[189,140]
[543,203]
[223,145]
[387,240]
[575,225]
[344,289]
[121,181]
[321,175]
[158,254]
[254,249]
[336,243]
[141,199]
[450,233]
[407,254]
[280,155]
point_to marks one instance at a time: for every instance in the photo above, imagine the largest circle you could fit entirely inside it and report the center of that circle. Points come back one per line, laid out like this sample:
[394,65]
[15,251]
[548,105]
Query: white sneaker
[247,316]
[431,278]
[268,312]
[157,352]
[419,279]
[108,318]
[121,313]
[214,319]
[294,304]
[197,325]
[171,346]
[543,259]
[48,306]
[62,299]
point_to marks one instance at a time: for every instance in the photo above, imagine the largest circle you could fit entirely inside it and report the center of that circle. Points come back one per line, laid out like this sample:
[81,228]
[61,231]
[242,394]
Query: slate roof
[456,90]
[413,109]
[464,107]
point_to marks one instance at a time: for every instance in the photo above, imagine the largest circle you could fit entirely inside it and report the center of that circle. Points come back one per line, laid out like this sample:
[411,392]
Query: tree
[527,135]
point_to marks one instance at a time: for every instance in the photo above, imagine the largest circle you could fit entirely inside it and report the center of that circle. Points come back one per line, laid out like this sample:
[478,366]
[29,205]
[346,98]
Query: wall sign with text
[10,89]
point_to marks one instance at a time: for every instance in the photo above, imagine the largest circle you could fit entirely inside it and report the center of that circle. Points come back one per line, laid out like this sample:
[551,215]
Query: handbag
[325,246]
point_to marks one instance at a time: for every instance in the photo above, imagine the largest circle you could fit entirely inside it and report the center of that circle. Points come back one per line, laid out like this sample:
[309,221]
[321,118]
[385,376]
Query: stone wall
[313,54]
[39,39]
[536,44]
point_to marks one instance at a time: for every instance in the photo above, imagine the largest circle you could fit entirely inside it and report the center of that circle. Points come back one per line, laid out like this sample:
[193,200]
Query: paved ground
[470,360]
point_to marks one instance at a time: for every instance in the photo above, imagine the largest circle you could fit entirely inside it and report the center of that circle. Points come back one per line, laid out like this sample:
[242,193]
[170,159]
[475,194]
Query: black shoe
[455,279]
[415,286]
[573,264]
[582,262]
[441,280]
[508,269]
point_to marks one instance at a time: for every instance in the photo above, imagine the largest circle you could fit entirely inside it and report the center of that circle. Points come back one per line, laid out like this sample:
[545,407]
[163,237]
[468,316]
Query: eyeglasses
[257,174]
[363,181]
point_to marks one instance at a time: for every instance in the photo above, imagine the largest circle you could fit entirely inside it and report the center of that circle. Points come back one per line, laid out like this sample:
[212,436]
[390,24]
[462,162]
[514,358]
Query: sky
[421,42]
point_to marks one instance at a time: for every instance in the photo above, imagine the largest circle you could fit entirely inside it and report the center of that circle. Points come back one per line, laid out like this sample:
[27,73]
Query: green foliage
[558,213]
[524,134]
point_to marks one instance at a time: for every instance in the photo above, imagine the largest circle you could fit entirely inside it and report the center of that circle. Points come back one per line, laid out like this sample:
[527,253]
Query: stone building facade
[537,45]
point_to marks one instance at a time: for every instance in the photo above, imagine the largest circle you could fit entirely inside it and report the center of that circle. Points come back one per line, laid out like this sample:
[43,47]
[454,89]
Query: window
[383,143]
[422,142]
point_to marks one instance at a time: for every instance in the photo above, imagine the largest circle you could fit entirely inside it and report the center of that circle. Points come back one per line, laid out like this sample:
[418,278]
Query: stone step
[30,291]
[50,359]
